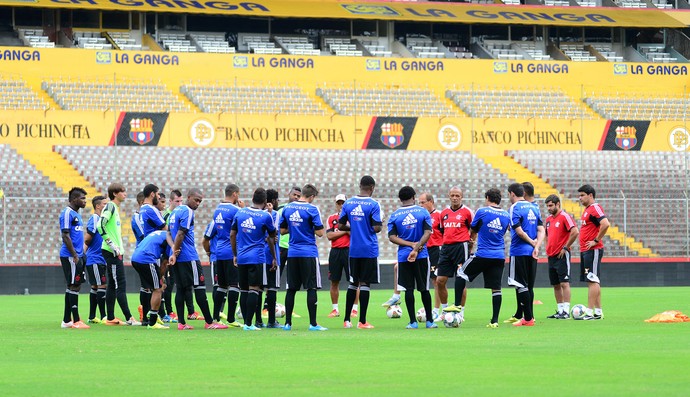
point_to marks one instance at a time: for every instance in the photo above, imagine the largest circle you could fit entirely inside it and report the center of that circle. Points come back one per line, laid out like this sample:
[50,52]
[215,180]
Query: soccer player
[488,227]
[137,224]
[95,263]
[161,203]
[434,244]
[410,228]
[526,237]
[162,313]
[594,225]
[302,220]
[338,257]
[110,229]
[561,233]
[72,232]
[150,260]
[272,284]
[176,201]
[150,216]
[188,273]
[362,216]
[247,238]
[455,227]
[227,273]
[293,195]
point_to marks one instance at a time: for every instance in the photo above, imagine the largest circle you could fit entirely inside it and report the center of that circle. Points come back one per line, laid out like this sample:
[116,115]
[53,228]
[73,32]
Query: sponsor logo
[373,65]
[295,217]
[626,137]
[679,139]
[449,136]
[202,132]
[364,9]
[141,131]
[248,224]
[620,69]
[104,57]
[409,220]
[495,225]
[392,134]
[531,217]
[357,211]
[240,62]
[557,224]
[500,67]
[219,219]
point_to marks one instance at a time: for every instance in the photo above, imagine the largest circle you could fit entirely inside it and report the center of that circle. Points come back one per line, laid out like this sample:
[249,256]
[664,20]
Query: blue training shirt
[251,225]
[301,219]
[212,236]
[182,218]
[523,214]
[94,256]
[491,224]
[267,250]
[363,213]
[137,227]
[70,221]
[151,248]
[223,217]
[151,219]
[409,223]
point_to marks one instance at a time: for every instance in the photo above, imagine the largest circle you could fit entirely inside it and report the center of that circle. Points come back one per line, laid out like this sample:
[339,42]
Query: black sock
[219,296]
[74,305]
[168,299]
[459,288]
[518,311]
[523,300]
[363,303]
[122,302]
[350,300]
[93,303]
[531,301]
[496,299]
[110,300]
[101,302]
[67,316]
[252,302]
[426,301]
[257,312]
[409,304]
[233,295]
[145,302]
[161,309]
[311,306]
[243,303]
[153,317]
[202,302]
[289,305]
[180,303]
[189,302]
[271,305]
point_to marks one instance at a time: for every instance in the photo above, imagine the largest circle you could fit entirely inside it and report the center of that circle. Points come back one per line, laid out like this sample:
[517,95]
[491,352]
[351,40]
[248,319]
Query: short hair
[259,196]
[230,189]
[588,189]
[150,188]
[161,195]
[194,192]
[97,200]
[553,198]
[271,195]
[367,181]
[309,190]
[114,189]
[74,192]
[429,196]
[140,197]
[406,193]
[296,188]
[516,189]
[493,195]
[529,189]
[175,193]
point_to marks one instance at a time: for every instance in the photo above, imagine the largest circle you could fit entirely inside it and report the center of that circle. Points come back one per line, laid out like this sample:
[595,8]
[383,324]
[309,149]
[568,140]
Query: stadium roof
[422,11]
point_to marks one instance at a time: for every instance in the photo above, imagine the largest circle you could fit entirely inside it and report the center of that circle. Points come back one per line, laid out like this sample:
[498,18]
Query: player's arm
[206,243]
[603,228]
[540,239]
[523,235]
[173,258]
[395,239]
[156,220]
[67,239]
[474,229]
[106,214]
[342,223]
[271,239]
[376,222]
[179,238]
[284,227]
[334,233]
[319,231]
[574,233]
[233,241]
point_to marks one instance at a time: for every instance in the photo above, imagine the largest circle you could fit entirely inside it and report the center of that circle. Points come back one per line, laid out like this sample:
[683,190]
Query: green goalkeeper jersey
[110,227]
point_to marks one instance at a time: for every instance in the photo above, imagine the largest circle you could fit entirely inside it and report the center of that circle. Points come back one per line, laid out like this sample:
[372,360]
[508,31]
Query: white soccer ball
[452,320]
[421,315]
[394,311]
[578,311]
[280,310]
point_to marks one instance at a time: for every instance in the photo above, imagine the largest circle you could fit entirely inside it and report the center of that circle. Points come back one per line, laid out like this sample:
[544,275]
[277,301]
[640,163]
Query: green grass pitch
[619,356]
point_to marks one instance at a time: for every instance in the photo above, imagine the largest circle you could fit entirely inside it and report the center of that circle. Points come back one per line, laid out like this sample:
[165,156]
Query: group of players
[250,246]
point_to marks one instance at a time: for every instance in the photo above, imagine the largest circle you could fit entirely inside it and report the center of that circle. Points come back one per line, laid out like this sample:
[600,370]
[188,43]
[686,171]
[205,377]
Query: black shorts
[492,269]
[434,253]
[189,274]
[338,260]
[226,274]
[414,273]
[451,257]
[559,269]
[149,274]
[522,271]
[303,272]
[364,270]
[590,265]
[97,274]
[251,276]
[272,277]
[74,272]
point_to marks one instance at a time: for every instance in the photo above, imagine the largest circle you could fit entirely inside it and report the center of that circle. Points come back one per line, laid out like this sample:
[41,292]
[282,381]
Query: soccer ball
[394,311]
[280,310]
[452,320]
[421,315]
[578,311]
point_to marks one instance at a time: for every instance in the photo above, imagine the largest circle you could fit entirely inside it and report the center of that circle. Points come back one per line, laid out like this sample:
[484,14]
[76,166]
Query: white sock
[597,311]
[589,311]
[566,307]
[354,307]
[444,305]
[396,296]
[335,306]
[560,308]
[435,310]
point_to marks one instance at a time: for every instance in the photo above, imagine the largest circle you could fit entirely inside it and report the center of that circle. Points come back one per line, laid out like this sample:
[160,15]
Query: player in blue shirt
[362,217]
[95,263]
[247,237]
[527,234]
[302,220]
[137,224]
[217,245]
[150,261]
[488,229]
[188,273]
[149,215]
[410,228]
[272,275]
[71,252]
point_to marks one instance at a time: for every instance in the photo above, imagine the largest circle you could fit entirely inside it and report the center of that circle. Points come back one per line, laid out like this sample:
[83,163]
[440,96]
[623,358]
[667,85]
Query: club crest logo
[679,139]
[626,137]
[202,132]
[449,136]
[141,131]
[392,134]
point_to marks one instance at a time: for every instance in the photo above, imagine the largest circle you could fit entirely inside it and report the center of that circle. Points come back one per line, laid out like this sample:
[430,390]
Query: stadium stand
[34,37]
[125,41]
[656,53]
[105,94]
[341,46]
[176,42]
[90,40]
[546,102]
[385,101]
[375,47]
[423,47]
[15,95]
[212,42]
[257,44]
[297,45]
[640,106]
[578,53]
[254,98]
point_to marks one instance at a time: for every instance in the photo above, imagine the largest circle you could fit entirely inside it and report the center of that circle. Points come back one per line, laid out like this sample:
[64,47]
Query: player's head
[151,193]
[339,201]
[194,198]
[529,190]
[232,192]
[98,203]
[455,195]
[553,204]
[259,197]
[294,194]
[516,192]
[117,190]
[367,185]
[406,193]
[426,200]
[587,194]
[175,199]
[493,196]
[77,197]
[140,198]
[161,201]
[309,193]
[272,197]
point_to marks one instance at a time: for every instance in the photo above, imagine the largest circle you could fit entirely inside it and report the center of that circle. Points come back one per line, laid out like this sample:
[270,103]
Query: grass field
[618,356]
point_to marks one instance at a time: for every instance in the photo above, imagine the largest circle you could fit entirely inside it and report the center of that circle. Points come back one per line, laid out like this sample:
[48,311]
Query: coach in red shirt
[338,258]
[594,225]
